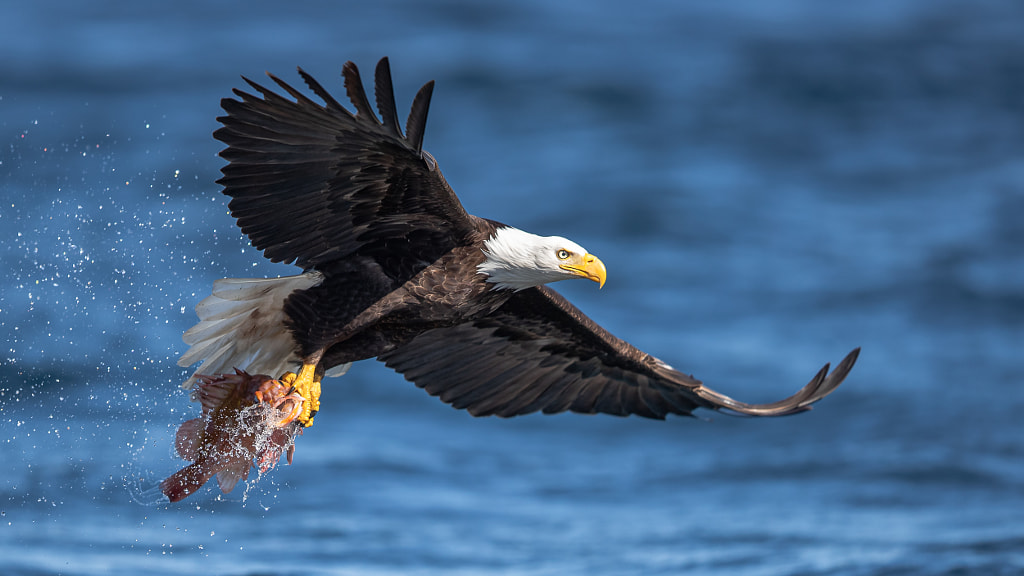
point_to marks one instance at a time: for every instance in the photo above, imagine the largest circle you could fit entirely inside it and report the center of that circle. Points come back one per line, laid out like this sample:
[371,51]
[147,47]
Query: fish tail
[186,481]
[228,477]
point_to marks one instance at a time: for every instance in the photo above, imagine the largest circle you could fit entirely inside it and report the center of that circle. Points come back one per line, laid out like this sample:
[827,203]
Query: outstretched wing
[314,183]
[539,352]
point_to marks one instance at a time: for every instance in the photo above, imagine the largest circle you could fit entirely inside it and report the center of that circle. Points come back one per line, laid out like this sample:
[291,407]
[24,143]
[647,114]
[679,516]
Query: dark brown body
[360,312]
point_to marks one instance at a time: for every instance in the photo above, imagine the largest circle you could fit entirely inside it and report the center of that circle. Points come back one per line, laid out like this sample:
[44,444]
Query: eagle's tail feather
[242,325]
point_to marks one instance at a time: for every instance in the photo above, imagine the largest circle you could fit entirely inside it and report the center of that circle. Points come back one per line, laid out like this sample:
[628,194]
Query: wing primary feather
[385,94]
[322,93]
[356,92]
[269,96]
[299,96]
[836,377]
[417,122]
[820,386]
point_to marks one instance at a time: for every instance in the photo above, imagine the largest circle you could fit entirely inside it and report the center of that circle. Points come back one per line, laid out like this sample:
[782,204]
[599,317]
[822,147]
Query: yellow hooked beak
[587,266]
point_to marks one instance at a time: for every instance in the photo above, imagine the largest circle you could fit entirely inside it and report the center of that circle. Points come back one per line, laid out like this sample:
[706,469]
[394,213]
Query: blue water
[769,183]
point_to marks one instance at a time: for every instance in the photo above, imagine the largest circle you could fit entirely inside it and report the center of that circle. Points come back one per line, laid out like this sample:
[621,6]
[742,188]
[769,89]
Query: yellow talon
[307,386]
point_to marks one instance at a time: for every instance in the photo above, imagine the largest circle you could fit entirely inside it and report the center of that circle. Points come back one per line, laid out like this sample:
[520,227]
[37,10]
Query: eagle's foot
[306,385]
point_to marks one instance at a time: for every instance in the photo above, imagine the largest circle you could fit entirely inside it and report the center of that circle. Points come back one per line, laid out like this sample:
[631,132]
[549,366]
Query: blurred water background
[769,183]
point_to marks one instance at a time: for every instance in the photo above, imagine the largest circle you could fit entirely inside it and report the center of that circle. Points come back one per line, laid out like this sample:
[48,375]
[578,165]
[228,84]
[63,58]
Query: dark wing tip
[837,376]
[385,94]
[823,384]
[356,92]
[321,92]
[416,125]
[383,90]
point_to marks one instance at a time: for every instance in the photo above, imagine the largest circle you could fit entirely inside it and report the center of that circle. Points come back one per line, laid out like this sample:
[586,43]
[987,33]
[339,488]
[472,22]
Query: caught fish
[245,418]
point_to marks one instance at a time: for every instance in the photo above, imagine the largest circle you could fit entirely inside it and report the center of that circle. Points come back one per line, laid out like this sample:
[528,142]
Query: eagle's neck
[511,261]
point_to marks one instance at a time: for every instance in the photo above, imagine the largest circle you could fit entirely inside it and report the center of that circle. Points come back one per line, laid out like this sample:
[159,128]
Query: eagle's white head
[517,260]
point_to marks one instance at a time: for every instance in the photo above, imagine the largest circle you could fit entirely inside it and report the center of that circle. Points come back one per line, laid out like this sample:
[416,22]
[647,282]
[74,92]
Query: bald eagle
[394,268]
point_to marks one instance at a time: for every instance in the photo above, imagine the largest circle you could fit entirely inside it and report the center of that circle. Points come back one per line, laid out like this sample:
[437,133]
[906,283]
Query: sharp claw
[296,411]
[293,414]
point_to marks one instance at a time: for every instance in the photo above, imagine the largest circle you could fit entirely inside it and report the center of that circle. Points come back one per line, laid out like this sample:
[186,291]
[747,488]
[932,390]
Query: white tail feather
[242,325]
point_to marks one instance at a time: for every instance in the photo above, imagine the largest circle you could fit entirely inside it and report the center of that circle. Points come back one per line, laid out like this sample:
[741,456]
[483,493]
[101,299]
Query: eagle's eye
[563,254]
